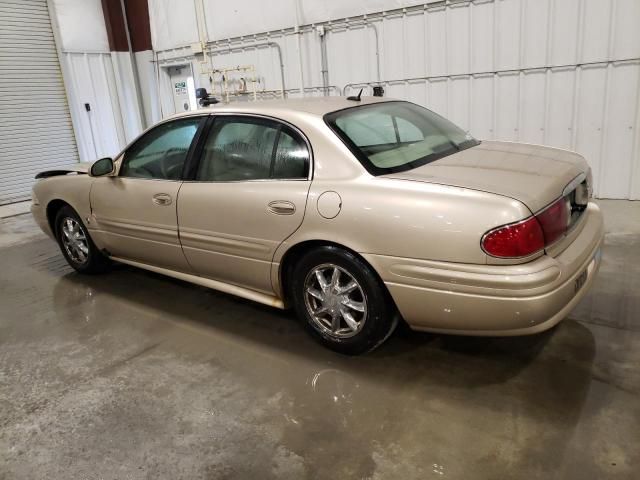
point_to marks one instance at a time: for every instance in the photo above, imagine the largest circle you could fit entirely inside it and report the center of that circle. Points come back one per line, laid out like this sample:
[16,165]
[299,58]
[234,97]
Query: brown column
[129,35]
[137,20]
[139,28]
[114,21]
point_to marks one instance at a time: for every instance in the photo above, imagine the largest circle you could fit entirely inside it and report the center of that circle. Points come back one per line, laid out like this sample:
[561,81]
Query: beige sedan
[355,212]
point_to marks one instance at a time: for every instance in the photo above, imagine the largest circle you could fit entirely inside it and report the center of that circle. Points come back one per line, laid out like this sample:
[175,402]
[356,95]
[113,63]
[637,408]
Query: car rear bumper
[490,299]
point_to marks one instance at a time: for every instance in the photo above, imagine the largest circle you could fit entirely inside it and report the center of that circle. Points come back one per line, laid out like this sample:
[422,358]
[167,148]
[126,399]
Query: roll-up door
[35,125]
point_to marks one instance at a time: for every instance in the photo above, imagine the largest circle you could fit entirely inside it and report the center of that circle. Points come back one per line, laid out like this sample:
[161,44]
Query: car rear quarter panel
[495,300]
[407,219]
[393,217]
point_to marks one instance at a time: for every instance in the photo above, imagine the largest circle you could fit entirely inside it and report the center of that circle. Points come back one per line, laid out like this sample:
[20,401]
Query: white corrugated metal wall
[93,81]
[564,73]
[100,78]
[35,123]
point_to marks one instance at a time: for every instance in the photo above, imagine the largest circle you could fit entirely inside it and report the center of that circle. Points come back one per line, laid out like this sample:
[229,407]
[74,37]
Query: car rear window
[393,137]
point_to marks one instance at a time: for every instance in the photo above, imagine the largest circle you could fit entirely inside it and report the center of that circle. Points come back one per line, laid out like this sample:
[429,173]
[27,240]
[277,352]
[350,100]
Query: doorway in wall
[182,88]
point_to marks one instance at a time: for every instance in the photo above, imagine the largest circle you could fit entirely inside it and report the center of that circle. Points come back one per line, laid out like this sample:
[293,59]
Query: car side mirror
[102,167]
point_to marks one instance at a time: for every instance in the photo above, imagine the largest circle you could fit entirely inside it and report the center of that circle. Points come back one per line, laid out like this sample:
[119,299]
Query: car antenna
[356,98]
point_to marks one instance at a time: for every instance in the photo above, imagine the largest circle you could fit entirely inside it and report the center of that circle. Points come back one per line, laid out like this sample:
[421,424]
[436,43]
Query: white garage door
[35,125]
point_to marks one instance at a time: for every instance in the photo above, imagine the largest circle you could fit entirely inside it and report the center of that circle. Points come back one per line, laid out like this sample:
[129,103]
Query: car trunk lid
[533,174]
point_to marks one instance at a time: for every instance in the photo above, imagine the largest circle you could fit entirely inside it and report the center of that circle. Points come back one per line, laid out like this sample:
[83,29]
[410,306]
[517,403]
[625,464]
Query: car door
[248,194]
[134,212]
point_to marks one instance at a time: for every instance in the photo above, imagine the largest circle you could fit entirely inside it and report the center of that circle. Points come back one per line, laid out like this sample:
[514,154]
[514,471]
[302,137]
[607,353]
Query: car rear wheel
[342,301]
[76,244]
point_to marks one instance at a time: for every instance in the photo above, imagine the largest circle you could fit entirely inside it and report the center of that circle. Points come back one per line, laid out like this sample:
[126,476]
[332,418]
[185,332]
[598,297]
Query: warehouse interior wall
[564,73]
[102,78]
[89,77]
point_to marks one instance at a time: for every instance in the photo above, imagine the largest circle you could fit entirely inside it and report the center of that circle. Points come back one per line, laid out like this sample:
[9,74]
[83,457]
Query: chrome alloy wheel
[335,301]
[74,240]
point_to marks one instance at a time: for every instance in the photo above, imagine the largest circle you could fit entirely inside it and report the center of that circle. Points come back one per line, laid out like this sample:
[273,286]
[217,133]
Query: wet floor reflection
[240,390]
[420,393]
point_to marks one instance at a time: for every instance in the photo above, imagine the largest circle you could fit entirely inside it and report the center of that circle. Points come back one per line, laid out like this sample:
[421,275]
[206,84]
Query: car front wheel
[342,301]
[76,244]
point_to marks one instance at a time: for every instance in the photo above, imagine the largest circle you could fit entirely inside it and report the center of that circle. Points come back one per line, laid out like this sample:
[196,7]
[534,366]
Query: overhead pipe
[377,44]
[298,30]
[203,30]
[322,32]
[323,58]
[495,72]
[298,33]
[275,45]
[430,5]
[272,93]
[366,24]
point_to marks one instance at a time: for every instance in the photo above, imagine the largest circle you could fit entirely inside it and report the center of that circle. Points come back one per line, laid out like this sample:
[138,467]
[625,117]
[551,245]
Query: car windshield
[393,137]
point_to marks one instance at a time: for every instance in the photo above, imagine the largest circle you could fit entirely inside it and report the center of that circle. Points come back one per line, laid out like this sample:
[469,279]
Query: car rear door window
[291,158]
[239,149]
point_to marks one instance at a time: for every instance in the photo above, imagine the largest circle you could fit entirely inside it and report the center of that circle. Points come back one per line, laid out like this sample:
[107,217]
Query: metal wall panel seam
[447,69]
[96,108]
[521,38]
[116,114]
[548,60]
[496,78]
[470,66]
[577,74]
[405,50]
[605,103]
[596,64]
[634,178]
[82,140]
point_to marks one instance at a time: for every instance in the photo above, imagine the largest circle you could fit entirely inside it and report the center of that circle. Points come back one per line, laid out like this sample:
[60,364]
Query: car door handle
[281,207]
[161,199]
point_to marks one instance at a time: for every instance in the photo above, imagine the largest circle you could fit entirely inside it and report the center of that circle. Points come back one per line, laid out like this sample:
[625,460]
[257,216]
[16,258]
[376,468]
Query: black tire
[380,314]
[94,261]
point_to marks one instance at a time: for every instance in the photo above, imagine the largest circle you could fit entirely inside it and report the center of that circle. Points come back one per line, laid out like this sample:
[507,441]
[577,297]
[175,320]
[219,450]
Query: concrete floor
[133,375]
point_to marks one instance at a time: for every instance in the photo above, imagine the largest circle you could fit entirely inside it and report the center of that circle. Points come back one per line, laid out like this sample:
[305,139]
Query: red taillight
[516,240]
[529,236]
[554,220]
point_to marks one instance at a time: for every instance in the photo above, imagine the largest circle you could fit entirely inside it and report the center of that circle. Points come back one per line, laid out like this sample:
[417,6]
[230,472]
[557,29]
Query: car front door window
[161,153]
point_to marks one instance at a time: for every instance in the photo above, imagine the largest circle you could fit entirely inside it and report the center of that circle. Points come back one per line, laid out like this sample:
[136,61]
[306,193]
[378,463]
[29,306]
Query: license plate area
[581,280]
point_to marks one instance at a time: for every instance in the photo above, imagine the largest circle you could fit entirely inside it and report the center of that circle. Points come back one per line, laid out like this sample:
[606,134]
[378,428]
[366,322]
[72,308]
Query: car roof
[314,105]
